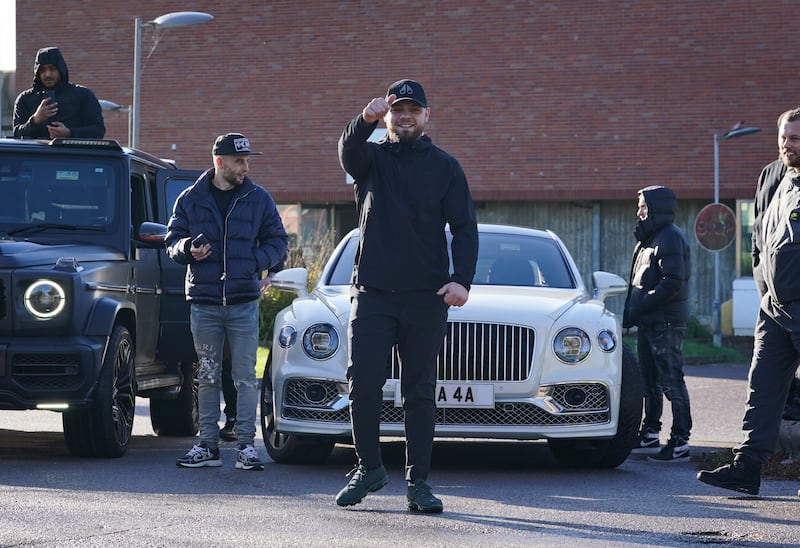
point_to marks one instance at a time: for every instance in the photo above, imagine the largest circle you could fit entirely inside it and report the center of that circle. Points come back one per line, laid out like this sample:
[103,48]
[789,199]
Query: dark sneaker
[200,455]
[673,451]
[647,443]
[421,499]
[361,484]
[738,476]
[248,459]
[228,432]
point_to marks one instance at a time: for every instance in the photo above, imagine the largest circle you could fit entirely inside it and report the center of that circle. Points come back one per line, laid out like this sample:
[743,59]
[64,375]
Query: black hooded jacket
[78,108]
[405,195]
[658,292]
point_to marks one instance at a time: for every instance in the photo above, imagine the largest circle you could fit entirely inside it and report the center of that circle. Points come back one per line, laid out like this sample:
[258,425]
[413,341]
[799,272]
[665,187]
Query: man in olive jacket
[658,304]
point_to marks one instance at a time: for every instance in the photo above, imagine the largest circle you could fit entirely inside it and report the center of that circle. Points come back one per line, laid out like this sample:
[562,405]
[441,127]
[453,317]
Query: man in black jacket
[658,304]
[407,191]
[55,107]
[776,344]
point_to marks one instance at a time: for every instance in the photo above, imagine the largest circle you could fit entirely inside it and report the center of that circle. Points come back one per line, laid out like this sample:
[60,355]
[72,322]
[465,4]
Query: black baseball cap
[408,90]
[232,144]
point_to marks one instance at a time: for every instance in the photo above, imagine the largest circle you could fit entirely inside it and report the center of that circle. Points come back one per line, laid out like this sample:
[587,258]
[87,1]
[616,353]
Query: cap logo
[242,144]
[406,89]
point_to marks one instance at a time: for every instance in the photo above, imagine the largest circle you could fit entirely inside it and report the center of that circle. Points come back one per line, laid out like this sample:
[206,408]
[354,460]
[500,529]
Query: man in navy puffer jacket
[228,232]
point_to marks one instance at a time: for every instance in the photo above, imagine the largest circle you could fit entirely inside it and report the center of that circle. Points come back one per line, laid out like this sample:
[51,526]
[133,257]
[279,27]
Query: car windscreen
[57,191]
[503,259]
[521,260]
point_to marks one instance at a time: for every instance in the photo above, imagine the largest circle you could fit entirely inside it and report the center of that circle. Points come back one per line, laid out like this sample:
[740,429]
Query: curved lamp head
[739,132]
[179,19]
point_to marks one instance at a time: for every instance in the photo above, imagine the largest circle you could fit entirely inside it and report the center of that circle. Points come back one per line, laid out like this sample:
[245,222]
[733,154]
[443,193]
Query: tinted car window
[57,189]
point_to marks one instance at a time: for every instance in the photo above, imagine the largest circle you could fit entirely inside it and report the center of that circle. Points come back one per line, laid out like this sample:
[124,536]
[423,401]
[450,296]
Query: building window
[744,238]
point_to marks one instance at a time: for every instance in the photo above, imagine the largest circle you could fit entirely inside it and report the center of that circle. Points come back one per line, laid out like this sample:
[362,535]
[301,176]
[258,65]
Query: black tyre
[178,417]
[103,428]
[609,453]
[288,448]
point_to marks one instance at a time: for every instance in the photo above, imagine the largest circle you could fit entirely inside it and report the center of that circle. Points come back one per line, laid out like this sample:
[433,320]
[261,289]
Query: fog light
[315,393]
[575,397]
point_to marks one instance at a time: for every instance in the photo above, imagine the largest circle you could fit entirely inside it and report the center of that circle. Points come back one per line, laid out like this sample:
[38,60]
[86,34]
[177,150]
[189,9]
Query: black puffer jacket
[78,108]
[658,292]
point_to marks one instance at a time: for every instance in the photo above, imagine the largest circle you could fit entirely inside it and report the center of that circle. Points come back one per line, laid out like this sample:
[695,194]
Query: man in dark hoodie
[406,191]
[54,107]
[658,304]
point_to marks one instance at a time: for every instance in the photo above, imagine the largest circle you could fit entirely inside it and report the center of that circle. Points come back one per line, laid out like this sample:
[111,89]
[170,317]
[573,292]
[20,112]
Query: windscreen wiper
[41,227]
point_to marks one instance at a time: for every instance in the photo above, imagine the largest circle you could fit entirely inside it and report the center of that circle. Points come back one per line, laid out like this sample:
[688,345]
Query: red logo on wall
[715,227]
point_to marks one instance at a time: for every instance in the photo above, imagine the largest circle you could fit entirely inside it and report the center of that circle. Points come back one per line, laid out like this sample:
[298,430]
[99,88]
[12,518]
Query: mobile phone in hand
[200,240]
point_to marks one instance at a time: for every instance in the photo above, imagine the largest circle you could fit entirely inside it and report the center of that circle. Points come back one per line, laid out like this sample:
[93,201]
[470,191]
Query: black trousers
[775,354]
[416,323]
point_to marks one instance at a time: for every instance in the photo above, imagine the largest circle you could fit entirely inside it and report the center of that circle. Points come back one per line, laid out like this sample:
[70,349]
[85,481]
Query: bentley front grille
[481,352]
[593,410]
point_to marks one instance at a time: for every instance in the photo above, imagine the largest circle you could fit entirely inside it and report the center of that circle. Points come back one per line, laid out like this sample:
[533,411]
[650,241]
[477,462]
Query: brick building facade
[558,111]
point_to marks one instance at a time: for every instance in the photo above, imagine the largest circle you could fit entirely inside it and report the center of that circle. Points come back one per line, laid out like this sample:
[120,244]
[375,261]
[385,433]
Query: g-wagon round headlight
[45,299]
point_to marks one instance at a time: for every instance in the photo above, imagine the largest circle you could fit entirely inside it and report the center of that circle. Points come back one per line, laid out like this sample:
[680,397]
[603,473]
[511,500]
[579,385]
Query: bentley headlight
[45,299]
[287,336]
[320,341]
[572,345]
[606,340]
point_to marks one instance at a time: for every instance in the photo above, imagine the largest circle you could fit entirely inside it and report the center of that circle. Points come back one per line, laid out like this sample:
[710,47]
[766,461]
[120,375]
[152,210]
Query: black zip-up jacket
[78,108]
[768,181]
[406,193]
[658,292]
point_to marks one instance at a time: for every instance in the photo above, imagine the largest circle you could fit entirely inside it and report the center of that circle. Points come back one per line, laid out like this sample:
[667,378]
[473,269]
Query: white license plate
[458,395]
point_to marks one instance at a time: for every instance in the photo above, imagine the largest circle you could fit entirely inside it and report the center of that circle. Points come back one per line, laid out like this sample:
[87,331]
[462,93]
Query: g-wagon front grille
[481,352]
[46,371]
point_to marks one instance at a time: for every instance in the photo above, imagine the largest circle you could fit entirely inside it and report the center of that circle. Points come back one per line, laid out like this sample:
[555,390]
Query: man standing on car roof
[407,190]
[54,106]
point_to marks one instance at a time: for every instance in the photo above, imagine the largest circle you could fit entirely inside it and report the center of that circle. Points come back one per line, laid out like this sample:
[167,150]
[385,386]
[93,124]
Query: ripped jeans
[661,359]
[211,325]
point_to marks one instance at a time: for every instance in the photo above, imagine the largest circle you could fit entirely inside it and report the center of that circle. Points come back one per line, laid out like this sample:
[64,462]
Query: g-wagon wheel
[103,428]
[288,448]
[180,416]
[611,453]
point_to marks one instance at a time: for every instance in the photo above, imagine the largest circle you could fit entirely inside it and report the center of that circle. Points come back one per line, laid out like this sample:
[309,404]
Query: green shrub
[311,255]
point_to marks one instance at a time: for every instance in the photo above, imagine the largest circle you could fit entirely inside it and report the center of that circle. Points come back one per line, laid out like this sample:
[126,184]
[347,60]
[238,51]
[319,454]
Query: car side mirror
[607,284]
[150,235]
[294,280]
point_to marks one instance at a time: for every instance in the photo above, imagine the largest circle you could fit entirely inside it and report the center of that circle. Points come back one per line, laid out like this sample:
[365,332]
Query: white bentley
[532,355]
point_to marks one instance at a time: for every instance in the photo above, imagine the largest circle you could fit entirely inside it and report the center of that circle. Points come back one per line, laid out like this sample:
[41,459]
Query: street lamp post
[736,131]
[114,107]
[169,20]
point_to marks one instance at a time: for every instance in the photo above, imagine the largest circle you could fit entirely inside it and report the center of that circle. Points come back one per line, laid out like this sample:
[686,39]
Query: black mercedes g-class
[92,311]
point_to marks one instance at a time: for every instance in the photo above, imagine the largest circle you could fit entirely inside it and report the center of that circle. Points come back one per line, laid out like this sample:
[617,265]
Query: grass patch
[261,360]
[700,351]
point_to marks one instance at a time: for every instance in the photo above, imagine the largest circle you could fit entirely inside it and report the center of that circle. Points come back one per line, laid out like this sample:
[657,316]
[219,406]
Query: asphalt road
[495,494]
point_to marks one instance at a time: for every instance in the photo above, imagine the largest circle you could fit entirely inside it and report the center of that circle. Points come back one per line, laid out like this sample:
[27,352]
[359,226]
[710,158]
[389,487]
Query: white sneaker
[248,459]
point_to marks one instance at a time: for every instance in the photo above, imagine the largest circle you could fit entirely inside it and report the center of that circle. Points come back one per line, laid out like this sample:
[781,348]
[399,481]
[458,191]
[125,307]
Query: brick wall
[561,100]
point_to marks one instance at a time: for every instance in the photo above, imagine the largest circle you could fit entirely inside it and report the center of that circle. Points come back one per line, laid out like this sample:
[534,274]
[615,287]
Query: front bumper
[42,371]
[321,407]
